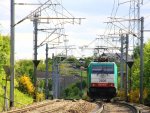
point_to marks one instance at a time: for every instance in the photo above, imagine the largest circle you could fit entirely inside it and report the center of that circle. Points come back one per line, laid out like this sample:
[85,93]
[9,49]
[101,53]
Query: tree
[24,67]
[87,61]
[4,51]
[136,70]
[147,65]
[136,52]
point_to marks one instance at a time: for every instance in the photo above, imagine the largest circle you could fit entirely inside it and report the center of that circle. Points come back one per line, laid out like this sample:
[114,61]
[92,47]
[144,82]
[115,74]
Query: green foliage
[72,59]
[40,96]
[81,62]
[67,69]
[64,68]
[4,51]
[42,65]
[134,95]
[74,91]
[87,61]
[22,99]
[135,74]
[41,84]
[136,68]
[136,52]
[24,67]
[147,99]
[147,65]
[121,94]
[50,84]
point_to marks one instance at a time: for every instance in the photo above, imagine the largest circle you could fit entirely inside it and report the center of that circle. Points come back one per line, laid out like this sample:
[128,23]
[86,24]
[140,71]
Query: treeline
[135,76]
[67,67]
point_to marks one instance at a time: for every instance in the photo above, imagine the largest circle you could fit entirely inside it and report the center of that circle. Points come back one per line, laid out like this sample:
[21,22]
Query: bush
[147,100]
[85,96]
[40,97]
[25,85]
[134,95]
[121,94]
[72,92]
[147,97]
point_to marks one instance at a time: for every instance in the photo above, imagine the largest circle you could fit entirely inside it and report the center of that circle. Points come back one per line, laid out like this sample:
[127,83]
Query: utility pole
[53,80]
[35,61]
[130,64]
[12,46]
[141,60]
[35,24]
[81,69]
[57,80]
[65,42]
[46,75]
[122,62]
[138,14]
[54,76]
[127,42]
[56,71]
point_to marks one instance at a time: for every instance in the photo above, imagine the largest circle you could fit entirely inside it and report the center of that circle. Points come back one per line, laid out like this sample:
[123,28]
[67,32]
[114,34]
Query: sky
[95,12]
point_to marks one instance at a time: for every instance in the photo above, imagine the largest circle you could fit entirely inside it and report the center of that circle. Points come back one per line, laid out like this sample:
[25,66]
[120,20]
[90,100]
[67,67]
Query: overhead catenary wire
[33,12]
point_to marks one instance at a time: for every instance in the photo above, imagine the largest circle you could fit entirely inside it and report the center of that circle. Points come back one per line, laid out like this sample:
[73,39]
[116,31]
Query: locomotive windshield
[103,69]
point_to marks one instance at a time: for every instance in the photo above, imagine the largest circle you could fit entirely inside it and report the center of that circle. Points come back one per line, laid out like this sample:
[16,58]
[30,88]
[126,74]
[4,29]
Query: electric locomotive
[102,80]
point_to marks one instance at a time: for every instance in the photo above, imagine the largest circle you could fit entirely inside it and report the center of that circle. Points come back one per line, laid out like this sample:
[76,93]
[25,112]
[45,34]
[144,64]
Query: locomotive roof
[100,63]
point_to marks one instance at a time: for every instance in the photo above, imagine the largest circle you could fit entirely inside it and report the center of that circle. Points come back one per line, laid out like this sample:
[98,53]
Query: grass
[66,69]
[20,99]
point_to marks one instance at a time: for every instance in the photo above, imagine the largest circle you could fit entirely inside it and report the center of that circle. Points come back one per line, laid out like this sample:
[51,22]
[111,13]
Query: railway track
[115,107]
[45,107]
[79,106]
[57,106]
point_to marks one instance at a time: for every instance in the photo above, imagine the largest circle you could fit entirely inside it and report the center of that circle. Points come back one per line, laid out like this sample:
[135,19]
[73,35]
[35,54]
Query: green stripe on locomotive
[115,76]
[99,64]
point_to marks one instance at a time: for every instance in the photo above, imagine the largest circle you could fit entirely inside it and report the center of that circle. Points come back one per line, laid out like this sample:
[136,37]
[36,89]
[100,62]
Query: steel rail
[132,108]
[29,108]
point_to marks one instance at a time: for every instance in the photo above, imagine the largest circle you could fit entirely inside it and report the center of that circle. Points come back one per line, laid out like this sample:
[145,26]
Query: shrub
[40,97]
[134,96]
[25,85]
[85,96]
[121,94]
[146,97]
[72,92]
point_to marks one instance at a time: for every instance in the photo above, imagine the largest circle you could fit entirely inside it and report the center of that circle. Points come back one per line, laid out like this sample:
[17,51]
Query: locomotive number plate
[102,80]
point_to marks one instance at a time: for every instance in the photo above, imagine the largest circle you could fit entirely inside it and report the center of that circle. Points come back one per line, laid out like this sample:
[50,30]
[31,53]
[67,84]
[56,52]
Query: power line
[33,4]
